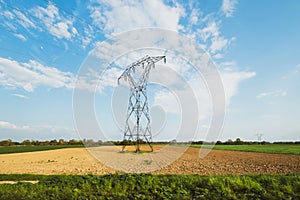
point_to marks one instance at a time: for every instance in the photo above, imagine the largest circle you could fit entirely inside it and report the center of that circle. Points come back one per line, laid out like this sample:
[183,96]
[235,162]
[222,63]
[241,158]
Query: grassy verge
[268,148]
[145,186]
[21,149]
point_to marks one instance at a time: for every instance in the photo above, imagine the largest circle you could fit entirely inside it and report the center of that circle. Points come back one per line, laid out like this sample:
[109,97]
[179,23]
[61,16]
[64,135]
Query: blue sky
[254,44]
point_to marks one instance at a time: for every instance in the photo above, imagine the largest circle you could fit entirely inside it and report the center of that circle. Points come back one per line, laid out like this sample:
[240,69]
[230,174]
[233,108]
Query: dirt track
[80,161]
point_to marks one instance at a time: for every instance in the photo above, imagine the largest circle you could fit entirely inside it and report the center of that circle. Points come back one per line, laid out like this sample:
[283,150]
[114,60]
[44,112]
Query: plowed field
[81,161]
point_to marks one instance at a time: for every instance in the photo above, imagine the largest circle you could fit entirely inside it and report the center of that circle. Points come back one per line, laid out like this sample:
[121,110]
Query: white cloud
[228,7]
[218,44]
[56,24]
[13,131]
[231,81]
[210,34]
[93,81]
[23,20]
[7,125]
[7,14]
[228,65]
[20,96]
[119,16]
[9,19]
[20,36]
[194,16]
[276,93]
[88,35]
[218,56]
[210,30]
[168,101]
[109,78]
[61,29]
[49,19]
[32,74]
[48,14]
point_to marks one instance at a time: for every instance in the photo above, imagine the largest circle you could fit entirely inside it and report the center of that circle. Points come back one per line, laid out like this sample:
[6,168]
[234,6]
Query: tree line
[9,142]
[90,142]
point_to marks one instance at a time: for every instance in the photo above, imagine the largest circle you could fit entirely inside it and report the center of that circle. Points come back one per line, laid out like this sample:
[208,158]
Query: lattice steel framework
[138,109]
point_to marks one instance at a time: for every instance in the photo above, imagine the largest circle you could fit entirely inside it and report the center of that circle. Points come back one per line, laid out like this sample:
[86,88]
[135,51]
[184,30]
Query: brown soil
[80,161]
[233,162]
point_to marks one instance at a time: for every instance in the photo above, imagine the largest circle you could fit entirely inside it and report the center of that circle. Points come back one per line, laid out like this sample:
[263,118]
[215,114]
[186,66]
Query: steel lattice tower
[138,109]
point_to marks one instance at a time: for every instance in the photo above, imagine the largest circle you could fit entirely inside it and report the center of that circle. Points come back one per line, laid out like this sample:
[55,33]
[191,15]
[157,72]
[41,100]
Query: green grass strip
[147,186]
[268,148]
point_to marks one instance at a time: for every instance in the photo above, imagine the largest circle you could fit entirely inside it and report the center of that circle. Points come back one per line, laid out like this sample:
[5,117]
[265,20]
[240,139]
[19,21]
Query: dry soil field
[83,161]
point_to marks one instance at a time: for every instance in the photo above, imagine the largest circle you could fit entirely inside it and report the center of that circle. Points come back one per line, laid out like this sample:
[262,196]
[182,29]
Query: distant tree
[53,142]
[6,143]
[75,142]
[265,142]
[26,142]
[62,142]
[197,142]
[45,143]
[35,142]
[238,141]
[219,142]
[229,141]
[100,142]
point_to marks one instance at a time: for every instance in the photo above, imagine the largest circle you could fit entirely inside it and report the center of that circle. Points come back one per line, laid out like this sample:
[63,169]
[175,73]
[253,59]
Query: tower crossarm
[150,64]
[146,62]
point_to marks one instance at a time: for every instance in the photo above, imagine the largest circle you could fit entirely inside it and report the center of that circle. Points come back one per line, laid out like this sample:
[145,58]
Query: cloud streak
[276,93]
[20,96]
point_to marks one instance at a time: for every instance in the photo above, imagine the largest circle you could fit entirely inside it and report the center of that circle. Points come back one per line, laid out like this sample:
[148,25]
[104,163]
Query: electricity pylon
[259,136]
[138,110]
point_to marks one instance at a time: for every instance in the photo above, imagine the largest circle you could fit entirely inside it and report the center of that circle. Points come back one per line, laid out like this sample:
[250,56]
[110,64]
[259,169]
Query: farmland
[74,173]
[81,161]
